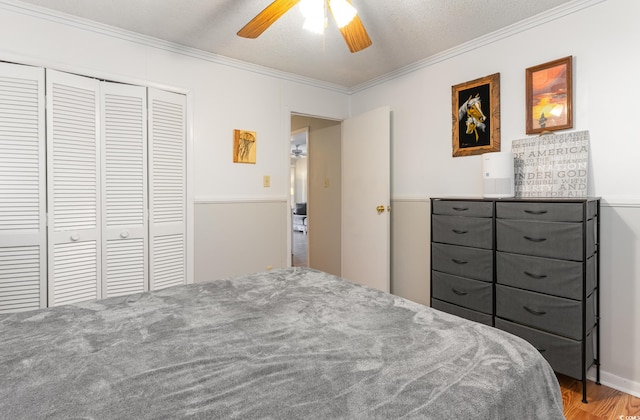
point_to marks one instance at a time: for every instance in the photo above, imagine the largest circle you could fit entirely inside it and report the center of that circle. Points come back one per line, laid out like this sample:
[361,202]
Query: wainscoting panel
[410,239]
[240,237]
[620,295]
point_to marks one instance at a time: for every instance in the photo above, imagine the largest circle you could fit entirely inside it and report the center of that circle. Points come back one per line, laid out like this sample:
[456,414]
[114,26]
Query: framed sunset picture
[549,96]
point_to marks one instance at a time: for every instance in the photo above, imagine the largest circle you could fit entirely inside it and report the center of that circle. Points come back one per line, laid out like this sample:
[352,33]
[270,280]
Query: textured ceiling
[402,31]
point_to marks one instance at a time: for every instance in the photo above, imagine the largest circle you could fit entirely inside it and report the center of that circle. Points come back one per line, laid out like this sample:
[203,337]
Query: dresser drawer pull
[529,238]
[459,292]
[459,232]
[535,276]
[461,208]
[535,211]
[533,311]
[460,262]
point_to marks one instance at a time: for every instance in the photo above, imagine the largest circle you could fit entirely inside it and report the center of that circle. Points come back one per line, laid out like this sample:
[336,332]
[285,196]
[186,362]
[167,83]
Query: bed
[287,344]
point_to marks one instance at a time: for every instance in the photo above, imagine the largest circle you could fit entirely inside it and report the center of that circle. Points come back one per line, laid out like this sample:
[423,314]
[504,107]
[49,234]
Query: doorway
[322,235]
[299,217]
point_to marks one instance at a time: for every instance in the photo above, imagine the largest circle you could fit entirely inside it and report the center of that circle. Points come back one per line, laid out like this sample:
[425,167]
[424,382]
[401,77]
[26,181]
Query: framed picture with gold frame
[244,146]
[549,96]
[475,116]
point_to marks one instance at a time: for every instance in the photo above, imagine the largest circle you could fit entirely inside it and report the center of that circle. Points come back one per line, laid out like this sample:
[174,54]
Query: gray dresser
[462,258]
[529,267]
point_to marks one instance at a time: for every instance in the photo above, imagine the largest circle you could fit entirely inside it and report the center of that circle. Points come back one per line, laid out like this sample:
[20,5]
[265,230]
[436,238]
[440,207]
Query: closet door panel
[167,188]
[73,188]
[22,189]
[124,189]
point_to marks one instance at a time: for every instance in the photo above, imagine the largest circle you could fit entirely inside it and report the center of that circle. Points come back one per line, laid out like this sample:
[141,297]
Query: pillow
[301,208]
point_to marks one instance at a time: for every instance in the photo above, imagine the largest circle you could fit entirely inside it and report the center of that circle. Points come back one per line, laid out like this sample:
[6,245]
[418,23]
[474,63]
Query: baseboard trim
[616,382]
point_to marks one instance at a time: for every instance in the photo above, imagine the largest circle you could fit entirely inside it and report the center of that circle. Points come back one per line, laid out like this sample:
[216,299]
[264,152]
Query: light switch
[266,181]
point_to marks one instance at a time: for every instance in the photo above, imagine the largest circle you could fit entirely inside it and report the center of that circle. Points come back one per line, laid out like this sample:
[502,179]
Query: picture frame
[244,146]
[476,116]
[549,96]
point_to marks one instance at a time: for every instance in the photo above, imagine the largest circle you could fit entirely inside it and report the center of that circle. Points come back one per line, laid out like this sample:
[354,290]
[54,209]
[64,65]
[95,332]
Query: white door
[23,236]
[167,189]
[123,113]
[366,187]
[73,188]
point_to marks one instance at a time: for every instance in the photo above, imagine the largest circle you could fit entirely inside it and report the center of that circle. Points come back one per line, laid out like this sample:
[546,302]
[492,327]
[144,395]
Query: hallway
[299,249]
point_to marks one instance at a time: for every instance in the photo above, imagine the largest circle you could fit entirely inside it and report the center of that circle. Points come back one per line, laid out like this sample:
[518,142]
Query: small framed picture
[244,146]
[476,116]
[549,96]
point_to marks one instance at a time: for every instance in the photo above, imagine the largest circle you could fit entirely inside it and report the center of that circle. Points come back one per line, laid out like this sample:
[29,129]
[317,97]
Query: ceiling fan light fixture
[315,25]
[314,16]
[315,13]
[343,12]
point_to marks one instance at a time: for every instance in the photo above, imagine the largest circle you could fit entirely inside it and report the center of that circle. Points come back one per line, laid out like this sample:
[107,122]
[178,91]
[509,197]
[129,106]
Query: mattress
[286,344]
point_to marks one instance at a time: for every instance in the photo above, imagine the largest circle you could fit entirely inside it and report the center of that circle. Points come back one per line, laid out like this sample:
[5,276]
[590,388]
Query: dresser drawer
[544,239]
[463,208]
[549,313]
[462,312]
[546,275]
[472,294]
[550,212]
[474,263]
[466,231]
[563,354]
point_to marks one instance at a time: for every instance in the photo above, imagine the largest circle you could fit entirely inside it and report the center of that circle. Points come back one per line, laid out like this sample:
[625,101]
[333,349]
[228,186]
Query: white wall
[601,36]
[223,95]
[300,186]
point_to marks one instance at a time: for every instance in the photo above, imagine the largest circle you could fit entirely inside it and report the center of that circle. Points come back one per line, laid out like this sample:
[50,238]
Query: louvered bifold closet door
[73,188]
[22,189]
[124,189]
[167,188]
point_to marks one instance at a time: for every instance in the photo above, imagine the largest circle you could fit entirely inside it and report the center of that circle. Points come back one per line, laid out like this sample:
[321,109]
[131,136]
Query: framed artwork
[549,96]
[244,146]
[476,116]
[562,174]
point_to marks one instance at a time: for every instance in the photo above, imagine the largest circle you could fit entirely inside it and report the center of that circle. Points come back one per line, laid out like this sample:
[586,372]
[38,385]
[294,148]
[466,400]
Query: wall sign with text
[552,165]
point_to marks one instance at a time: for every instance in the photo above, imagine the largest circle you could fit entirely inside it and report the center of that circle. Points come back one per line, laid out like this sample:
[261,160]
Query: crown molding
[27,9]
[506,32]
[571,7]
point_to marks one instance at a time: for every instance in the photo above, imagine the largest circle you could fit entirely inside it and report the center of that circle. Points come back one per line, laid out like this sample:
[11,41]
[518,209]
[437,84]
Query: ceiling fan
[297,152]
[344,14]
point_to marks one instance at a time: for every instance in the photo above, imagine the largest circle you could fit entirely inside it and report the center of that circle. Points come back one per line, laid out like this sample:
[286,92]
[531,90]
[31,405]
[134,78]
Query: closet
[92,188]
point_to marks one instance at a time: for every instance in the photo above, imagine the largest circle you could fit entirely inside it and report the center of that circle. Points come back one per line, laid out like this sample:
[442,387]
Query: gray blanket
[292,343]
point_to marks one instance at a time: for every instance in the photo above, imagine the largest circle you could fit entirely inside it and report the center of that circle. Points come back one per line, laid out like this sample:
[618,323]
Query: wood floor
[604,403]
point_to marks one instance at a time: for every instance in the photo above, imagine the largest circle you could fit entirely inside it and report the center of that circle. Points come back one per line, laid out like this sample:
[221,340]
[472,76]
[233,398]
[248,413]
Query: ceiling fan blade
[264,19]
[354,34]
